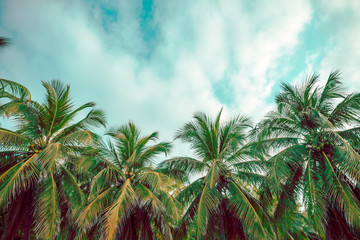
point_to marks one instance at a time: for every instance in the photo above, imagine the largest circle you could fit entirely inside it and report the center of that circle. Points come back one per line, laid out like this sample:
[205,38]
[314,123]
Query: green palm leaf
[47,213]
[117,211]
[88,215]
[250,212]
[14,88]
[17,179]
[208,202]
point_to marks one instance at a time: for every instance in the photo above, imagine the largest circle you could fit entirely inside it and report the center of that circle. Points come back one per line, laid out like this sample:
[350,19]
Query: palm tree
[311,138]
[219,202]
[129,198]
[39,193]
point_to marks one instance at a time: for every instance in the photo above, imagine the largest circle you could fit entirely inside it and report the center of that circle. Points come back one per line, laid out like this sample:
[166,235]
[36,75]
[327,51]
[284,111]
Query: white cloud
[158,85]
[342,19]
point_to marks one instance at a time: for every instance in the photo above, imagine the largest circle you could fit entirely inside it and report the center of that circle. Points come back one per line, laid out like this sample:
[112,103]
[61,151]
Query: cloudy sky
[156,62]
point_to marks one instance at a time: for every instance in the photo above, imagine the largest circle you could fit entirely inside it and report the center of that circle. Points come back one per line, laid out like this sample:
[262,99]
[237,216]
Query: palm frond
[251,178]
[184,166]
[75,196]
[10,138]
[182,230]
[12,108]
[251,213]
[341,194]
[50,155]
[333,89]
[18,178]
[283,164]
[314,197]
[94,118]
[90,213]
[149,198]
[153,179]
[150,152]
[57,106]
[191,191]
[286,209]
[347,111]
[214,174]
[173,207]
[252,166]
[81,137]
[47,212]
[208,204]
[118,209]
[107,176]
[14,88]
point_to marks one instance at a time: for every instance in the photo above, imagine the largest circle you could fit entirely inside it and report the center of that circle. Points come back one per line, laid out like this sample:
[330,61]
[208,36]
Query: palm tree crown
[35,182]
[129,193]
[314,133]
[218,202]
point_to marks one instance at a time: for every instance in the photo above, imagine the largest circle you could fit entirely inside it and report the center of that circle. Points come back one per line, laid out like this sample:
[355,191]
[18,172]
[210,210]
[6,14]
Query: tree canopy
[293,175]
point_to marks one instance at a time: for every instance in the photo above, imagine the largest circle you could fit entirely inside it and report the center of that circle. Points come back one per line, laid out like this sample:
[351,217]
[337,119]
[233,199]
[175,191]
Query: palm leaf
[191,191]
[185,165]
[314,197]
[88,215]
[14,88]
[208,204]
[75,196]
[342,195]
[10,138]
[104,178]
[249,211]
[50,155]
[153,179]
[47,212]
[17,179]
[118,210]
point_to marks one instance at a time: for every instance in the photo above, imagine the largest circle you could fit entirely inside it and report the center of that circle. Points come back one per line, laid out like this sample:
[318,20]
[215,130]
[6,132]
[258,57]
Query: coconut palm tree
[129,198]
[37,190]
[219,201]
[311,140]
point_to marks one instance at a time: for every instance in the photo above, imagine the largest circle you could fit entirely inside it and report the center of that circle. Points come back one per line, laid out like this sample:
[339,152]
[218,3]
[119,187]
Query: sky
[156,62]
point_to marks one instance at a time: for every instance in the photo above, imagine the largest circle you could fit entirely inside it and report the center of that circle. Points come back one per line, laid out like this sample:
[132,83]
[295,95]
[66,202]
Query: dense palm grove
[293,175]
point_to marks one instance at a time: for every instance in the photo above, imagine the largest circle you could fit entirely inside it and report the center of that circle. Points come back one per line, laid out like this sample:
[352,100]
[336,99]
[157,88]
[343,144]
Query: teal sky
[156,62]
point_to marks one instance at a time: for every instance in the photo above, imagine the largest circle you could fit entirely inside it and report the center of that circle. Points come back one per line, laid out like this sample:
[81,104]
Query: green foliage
[128,197]
[295,175]
[309,139]
[221,187]
[37,152]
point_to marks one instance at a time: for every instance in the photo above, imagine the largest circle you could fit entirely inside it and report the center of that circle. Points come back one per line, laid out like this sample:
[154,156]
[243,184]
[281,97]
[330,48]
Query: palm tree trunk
[27,226]
[72,233]
[14,217]
[133,232]
[222,227]
[28,214]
